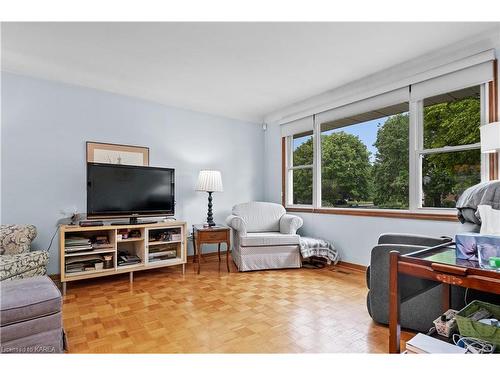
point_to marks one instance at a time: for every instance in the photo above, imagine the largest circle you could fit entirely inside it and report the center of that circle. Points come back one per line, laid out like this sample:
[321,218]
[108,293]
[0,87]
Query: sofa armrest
[289,224]
[412,239]
[380,267]
[17,265]
[238,224]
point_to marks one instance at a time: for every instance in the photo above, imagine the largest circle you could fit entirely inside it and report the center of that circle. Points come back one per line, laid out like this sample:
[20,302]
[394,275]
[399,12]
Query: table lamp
[209,181]
[490,137]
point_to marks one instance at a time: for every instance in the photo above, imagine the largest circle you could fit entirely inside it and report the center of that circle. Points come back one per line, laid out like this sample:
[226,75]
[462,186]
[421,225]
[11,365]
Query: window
[413,149]
[301,169]
[450,157]
[364,160]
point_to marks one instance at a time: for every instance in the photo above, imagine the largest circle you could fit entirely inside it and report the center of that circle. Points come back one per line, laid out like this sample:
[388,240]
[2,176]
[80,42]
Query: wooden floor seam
[276,311]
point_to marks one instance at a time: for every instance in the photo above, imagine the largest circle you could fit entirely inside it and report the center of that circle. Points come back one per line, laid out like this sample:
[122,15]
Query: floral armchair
[17,261]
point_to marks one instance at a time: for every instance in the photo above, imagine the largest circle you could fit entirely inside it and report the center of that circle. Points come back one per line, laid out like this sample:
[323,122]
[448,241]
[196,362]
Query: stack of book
[162,252]
[100,242]
[76,244]
[84,263]
[423,344]
[126,259]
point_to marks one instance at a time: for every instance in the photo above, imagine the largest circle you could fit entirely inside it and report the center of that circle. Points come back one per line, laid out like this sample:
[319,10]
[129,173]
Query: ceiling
[238,70]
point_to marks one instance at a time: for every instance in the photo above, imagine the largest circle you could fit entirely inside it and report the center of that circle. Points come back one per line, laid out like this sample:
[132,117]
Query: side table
[206,235]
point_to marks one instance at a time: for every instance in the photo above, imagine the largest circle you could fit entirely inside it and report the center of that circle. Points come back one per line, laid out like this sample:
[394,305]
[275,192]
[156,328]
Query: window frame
[489,166]
[290,168]
[418,150]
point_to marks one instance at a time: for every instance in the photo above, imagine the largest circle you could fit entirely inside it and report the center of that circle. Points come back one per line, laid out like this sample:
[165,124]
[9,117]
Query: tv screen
[124,190]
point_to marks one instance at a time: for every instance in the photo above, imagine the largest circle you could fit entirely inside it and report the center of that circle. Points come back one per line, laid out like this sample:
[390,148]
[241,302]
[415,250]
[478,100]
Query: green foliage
[303,155]
[302,178]
[452,124]
[447,175]
[346,169]
[391,167]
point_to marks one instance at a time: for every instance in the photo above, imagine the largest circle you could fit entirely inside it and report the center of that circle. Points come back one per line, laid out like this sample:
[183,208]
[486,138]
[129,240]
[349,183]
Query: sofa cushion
[269,239]
[29,298]
[15,238]
[260,216]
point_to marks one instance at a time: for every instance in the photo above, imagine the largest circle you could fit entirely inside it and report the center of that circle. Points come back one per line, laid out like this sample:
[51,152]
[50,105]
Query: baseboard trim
[352,266]
[55,277]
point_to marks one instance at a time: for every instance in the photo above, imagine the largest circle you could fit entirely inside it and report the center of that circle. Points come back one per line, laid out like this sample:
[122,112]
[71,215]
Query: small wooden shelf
[171,261]
[132,239]
[153,243]
[164,260]
[90,252]
[133,245]
[130,266]
[74,274]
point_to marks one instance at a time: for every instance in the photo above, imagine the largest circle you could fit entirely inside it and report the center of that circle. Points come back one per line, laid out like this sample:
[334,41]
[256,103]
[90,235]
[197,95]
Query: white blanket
[320,248]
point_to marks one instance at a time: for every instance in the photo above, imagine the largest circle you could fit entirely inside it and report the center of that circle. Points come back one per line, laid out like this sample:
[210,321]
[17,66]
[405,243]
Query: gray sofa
[31,316]
[264,236]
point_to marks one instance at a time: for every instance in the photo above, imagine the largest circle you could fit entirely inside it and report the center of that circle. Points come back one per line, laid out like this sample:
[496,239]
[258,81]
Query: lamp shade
[490,137]
[209,181]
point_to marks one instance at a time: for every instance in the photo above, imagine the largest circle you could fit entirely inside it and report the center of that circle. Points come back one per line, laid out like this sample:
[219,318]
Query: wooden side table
[206,235]
[438,263]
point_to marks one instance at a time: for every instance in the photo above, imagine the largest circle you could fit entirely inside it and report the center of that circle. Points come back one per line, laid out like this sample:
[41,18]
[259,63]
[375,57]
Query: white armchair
[264,236]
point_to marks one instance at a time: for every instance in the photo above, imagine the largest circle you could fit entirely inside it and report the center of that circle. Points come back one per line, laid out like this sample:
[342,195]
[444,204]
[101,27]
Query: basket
[470,328]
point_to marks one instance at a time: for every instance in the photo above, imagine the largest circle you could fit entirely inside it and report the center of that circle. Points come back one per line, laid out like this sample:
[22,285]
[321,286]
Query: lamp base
[210,217]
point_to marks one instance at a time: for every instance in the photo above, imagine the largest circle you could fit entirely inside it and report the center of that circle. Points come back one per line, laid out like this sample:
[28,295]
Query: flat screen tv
[129,191]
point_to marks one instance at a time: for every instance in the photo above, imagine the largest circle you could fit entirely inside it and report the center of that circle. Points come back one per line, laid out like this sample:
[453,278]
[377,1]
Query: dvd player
[91,223]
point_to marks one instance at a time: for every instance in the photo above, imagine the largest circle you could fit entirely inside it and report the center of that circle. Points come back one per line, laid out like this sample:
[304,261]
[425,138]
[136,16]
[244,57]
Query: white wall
[353,236]
[44,129]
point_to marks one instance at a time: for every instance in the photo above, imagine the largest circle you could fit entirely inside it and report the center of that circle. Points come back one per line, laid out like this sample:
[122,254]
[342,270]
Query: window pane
[452,119]
[302,149]
[364,162]
[446,175]
[302,186]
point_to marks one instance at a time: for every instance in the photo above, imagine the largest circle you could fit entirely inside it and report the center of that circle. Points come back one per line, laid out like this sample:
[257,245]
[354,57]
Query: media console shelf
[88,252]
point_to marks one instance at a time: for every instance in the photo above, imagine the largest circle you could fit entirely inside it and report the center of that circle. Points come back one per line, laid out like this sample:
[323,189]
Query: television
[129,191]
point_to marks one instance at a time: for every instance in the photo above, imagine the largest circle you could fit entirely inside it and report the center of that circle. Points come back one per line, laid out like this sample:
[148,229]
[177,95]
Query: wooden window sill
[437,216]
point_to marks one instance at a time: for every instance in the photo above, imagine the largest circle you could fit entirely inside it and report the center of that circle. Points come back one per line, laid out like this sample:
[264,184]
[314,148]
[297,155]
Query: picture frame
[111,153]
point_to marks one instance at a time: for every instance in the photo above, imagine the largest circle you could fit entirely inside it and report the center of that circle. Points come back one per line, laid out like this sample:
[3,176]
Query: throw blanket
[316,247]
[485,193]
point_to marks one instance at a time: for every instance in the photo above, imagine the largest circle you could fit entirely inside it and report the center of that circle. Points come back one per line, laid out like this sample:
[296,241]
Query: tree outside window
[365,164]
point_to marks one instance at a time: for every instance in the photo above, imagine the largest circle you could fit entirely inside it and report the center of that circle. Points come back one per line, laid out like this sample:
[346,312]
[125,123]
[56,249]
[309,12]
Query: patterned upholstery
[16,259]
[15,239]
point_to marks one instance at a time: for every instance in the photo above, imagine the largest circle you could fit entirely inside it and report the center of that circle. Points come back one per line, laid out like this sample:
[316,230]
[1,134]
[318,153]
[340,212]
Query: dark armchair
[420,299]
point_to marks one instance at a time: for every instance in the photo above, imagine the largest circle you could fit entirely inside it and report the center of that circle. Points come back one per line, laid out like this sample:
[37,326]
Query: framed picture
[117,154]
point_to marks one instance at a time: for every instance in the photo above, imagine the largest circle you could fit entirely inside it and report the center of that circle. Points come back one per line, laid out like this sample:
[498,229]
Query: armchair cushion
[269,239]
[16,239]
[23,264]
[238,224]
[289,224]
[260,216]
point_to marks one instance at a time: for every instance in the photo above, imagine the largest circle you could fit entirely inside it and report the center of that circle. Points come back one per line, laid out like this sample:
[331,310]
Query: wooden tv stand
[146,247]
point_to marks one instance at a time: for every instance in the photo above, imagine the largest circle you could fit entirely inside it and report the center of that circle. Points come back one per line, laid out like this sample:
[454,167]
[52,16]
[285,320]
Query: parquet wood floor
[282,311]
